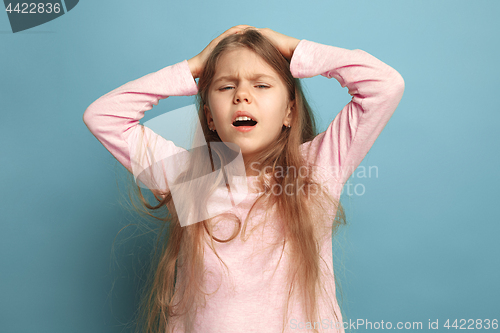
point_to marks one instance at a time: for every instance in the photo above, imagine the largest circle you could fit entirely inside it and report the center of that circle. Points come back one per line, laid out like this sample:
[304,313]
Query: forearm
[376,90]
[115,116]
[369,80]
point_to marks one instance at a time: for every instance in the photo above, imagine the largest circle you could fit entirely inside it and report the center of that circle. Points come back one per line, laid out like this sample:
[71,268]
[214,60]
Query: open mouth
[244,121]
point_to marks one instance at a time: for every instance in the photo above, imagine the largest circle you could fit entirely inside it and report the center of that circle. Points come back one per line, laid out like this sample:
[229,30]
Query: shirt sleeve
[114,118]
[376,90]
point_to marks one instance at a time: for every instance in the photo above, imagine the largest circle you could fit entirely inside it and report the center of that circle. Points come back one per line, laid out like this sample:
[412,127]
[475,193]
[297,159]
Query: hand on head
[197,62]
[285,44]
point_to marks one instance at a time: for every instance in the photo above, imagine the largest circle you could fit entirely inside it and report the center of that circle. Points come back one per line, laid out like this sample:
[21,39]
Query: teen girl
[264,264]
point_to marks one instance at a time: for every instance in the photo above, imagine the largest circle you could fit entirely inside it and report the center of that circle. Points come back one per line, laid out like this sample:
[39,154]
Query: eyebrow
[254,77]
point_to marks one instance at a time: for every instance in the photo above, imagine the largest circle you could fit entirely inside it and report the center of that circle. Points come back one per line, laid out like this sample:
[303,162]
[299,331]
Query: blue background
[422,241]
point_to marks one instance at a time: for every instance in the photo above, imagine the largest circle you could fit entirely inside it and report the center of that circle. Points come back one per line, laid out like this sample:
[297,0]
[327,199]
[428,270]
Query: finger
[238,28]
[231,31]
[242,27]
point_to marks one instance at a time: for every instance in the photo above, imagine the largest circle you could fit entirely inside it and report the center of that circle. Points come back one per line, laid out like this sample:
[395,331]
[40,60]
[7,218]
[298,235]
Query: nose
[242,94]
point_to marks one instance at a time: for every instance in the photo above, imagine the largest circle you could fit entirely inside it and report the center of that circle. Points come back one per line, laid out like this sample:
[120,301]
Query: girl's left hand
[285,44]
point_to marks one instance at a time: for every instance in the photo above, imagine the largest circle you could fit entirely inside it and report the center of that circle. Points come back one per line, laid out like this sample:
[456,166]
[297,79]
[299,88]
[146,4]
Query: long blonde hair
[303,214]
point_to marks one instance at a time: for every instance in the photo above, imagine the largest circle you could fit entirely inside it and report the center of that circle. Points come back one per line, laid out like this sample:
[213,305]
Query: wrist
[193,66]
[294,46]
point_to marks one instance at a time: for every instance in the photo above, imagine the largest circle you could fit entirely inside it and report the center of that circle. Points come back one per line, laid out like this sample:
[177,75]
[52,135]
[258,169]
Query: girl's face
[245,83]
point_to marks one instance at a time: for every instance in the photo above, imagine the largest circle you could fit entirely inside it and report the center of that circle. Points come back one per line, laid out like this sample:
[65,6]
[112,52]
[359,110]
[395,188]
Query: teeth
[243,118]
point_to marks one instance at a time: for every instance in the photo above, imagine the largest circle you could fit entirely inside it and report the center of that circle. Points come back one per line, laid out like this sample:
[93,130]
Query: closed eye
[259,86]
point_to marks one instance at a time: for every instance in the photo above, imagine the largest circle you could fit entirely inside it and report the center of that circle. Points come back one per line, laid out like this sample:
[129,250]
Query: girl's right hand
[197,63]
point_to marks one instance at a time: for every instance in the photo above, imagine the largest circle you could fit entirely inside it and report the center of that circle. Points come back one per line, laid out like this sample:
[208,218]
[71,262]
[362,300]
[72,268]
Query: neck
[251,170]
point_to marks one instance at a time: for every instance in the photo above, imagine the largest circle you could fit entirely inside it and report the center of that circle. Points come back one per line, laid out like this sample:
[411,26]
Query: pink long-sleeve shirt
[253,297]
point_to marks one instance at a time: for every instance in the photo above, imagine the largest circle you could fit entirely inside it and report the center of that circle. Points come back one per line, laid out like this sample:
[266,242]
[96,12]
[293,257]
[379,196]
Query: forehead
[243,63]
